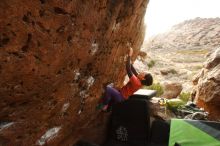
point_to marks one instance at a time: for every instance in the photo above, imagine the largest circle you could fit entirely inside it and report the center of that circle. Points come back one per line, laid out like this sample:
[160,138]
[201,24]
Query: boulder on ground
[172,89]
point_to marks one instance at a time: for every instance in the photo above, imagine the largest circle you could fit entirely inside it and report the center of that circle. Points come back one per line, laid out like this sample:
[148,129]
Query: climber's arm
[129,67]
[133,70]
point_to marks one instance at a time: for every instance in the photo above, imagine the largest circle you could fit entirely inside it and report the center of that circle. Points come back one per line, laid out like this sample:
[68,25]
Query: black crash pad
[84,143]
[130,122]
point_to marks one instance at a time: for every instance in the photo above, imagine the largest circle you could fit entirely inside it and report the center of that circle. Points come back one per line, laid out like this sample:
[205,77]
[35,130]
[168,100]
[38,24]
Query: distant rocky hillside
[198,33]
[178,54]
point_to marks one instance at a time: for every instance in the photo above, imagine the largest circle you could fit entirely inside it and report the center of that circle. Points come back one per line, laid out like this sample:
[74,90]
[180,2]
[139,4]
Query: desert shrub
[151,64]
[157,87]
[173,71]
[198,67]
[185,96]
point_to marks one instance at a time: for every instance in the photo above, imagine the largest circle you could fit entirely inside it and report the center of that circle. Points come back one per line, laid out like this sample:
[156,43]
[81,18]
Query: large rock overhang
[56,55]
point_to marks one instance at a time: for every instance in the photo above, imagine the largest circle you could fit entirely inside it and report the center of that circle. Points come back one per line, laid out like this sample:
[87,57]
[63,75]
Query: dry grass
[193,52]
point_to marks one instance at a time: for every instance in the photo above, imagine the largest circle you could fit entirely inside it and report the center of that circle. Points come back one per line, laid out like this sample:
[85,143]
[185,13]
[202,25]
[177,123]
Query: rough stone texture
[171,89]
[55,57]
[207,87]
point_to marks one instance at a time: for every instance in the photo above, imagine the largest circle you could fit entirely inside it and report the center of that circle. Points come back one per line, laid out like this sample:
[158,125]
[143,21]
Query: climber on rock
[136,81]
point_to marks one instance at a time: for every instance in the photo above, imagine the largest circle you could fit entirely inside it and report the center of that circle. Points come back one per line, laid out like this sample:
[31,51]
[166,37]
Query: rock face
[55,57]
[208,85]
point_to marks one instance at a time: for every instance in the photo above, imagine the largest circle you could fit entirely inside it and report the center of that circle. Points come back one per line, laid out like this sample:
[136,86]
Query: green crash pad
[194,133]
[143,94]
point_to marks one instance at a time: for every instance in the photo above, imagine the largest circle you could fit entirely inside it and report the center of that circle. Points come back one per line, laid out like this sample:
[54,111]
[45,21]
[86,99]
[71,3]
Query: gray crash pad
[144,94]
